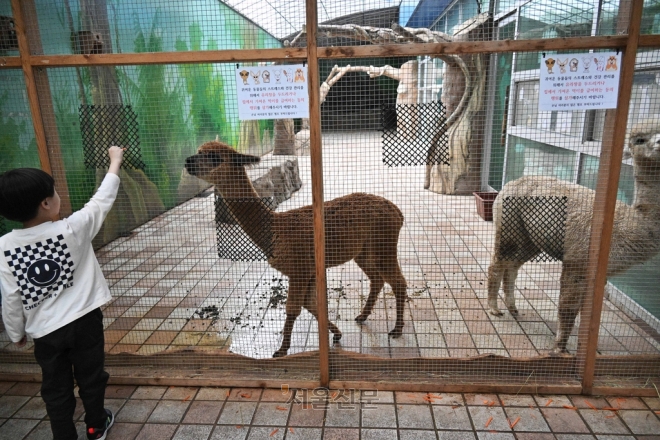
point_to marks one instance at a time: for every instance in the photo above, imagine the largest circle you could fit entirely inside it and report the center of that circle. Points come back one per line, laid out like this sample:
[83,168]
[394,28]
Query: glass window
[530,158]
[589,176]
[527,113]
[644,102]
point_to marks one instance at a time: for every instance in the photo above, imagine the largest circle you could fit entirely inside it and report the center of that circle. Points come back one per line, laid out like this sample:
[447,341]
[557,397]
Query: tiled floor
[171,291]
[191,413]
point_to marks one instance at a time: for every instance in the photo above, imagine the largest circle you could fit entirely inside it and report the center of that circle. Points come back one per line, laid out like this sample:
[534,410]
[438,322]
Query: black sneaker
[100,433]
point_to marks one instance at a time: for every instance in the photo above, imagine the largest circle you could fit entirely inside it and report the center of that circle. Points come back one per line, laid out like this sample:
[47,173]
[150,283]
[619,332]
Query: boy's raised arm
[89,219]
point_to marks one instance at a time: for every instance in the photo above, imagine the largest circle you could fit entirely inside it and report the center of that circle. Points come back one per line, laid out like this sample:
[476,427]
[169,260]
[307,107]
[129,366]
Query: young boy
[52,288]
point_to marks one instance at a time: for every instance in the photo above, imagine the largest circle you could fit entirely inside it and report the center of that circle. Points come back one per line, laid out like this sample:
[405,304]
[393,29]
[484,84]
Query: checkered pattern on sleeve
[21,258]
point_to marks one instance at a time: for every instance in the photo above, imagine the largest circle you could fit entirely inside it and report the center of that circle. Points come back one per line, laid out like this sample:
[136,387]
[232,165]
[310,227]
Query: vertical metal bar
[606,191]
[30,84]
[316,159]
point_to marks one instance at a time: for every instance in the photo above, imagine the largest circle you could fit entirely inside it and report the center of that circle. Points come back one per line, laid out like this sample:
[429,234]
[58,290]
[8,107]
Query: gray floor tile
[270,432]
[481,415]
[153,431]
[168,411]
[237,413]
[41,432]
[456,435]
[15,429]
[343,415]
[149,392]
[193,432]
[136,411]
[575,437]
[124,431]
[379,434]
[448,417]
[10,404]
[531,419]
[203,411]
[602,422]
[229,432]
[35,408]
[210,393]
[414,416]
[304,434]
[615,437]
[641,422]
[381,416]
[481,435]
[272,414]
[407,434]
[341,433]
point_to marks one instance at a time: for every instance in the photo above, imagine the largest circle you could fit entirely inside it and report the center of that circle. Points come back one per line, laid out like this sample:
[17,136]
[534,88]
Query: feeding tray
[484,202]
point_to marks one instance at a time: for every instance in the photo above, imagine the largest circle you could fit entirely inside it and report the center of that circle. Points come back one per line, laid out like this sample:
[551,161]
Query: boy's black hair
[21,192]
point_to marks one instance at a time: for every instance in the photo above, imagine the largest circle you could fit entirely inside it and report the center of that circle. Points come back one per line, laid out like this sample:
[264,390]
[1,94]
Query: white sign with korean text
[584,81]
[272,92]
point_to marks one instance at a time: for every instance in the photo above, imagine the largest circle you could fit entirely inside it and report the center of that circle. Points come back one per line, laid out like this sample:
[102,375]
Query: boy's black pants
[75,350]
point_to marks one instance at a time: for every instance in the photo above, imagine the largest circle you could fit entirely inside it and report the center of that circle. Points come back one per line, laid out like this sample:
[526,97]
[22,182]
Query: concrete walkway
[192,413]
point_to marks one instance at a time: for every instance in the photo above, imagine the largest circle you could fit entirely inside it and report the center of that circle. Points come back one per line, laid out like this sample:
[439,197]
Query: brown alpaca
[360,227]
[634,238]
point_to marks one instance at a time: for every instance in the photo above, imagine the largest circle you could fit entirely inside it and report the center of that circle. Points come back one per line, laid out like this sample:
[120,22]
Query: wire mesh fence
[459,188]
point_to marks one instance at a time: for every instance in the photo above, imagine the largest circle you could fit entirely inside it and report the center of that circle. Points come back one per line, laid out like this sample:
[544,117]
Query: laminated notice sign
[272,92]
[584,81]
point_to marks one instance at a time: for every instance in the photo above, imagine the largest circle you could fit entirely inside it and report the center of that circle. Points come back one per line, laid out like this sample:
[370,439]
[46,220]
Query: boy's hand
[116,156]
[22,342]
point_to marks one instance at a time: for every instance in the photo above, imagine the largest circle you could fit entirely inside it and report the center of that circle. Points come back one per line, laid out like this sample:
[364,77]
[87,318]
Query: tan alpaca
[635,239]
[360,227]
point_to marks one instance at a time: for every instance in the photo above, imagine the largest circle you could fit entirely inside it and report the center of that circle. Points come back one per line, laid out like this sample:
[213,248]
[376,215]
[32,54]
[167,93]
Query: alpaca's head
[221,165]
[644,143]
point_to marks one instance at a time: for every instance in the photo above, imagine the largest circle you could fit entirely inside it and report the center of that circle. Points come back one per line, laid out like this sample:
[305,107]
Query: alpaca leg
[505,273]
[509,284]
[398,283]
[390,271]
[376,283]
[293,308]
[571,293]
[310,305]
[495,274]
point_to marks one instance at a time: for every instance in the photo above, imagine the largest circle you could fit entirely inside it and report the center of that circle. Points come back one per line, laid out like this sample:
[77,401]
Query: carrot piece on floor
[549,402]
[515,422]
[291,430]
[274,432]
[590,405]
[609,408]
[569,407]
[281,408]
[488,422]
[186,399]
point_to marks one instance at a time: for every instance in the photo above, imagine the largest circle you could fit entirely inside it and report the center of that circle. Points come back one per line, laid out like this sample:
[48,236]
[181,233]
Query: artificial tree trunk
[465,134]
[463,85]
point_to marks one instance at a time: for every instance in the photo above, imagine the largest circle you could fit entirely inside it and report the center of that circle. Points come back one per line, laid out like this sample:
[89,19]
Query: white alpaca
[531,230]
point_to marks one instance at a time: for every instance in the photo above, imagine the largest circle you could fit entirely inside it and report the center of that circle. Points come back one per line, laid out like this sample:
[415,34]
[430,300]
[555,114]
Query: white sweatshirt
[49,275]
